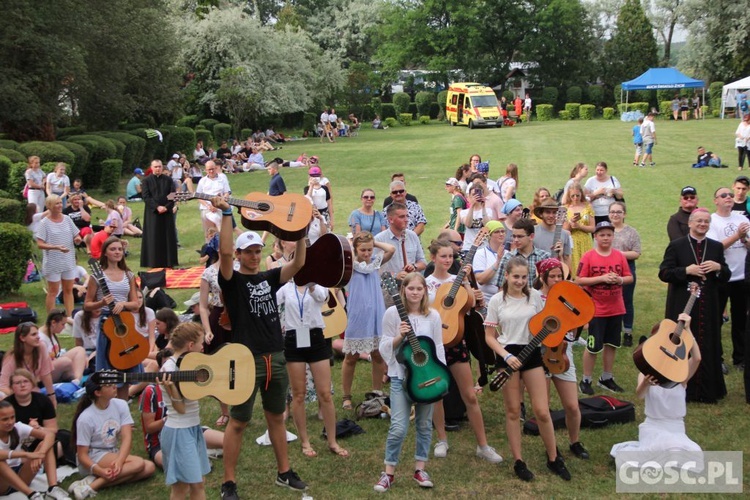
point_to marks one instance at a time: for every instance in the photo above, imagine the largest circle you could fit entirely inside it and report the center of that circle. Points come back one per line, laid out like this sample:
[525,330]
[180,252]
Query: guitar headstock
[180,196]
[389,283]
[562,212]
[694,289]
[481,236]
[96,268]
[106,377]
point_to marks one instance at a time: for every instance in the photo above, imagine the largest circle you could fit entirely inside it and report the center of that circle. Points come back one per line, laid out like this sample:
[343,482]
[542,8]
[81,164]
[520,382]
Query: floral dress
[581,239]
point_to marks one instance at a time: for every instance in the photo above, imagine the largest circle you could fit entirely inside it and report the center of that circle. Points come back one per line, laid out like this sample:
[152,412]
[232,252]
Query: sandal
[309,452]
[222,421]
[347,404]
[343,453]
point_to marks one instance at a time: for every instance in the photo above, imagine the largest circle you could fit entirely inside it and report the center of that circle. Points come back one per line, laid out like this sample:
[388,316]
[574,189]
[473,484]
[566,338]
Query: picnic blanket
[183,278]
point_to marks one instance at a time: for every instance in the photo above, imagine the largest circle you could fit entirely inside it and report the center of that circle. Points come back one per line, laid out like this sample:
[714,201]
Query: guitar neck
[558,234]
[98,273]
[237,202]
[458,282]
[177,376]
[404,315]
[535,342]
[688,308]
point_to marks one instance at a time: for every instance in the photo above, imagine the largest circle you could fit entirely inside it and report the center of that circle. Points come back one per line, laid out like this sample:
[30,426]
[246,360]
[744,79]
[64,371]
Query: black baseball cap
[688,190]
[743,179]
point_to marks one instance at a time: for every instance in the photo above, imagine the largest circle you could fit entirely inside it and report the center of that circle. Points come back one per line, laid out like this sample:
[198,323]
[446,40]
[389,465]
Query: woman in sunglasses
[366,218]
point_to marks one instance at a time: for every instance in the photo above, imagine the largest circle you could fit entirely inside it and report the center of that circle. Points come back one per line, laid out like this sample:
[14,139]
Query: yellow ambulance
[472,104]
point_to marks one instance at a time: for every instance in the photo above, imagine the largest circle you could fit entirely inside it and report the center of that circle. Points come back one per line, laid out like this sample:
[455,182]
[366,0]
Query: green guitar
[427,378]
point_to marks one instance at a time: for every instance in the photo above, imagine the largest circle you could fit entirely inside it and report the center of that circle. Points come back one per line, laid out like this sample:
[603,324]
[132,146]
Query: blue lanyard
[301,303]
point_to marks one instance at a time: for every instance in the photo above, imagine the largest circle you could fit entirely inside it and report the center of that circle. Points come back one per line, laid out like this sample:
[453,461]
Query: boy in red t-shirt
[603,271]
[95,247]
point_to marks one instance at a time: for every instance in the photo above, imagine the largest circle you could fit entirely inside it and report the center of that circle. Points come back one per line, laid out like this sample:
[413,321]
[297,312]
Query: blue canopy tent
[662,78]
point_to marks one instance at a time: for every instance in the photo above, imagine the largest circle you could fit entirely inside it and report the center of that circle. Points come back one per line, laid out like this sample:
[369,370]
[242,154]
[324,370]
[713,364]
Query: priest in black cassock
[159,244]
[697,259]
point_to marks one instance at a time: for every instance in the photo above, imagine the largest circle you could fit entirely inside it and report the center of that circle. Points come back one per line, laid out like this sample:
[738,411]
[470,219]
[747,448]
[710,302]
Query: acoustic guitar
[334,315]
[568,306]
[559,221]
[665,354]
[286,216]
[555,359]
[452,299]
[127,347]
[328,262]
[427,378]
[228,375]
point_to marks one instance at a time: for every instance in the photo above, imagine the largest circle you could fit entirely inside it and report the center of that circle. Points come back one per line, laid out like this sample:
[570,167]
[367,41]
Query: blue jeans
[400,411]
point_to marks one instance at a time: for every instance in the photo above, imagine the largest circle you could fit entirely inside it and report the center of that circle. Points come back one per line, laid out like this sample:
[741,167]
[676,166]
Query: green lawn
[545,153]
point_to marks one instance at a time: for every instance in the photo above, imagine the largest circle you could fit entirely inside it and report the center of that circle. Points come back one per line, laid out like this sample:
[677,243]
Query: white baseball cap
[247,239]
[175,156]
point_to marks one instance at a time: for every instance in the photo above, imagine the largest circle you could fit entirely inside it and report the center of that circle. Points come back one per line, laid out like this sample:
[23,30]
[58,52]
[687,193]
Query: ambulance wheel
[471,123]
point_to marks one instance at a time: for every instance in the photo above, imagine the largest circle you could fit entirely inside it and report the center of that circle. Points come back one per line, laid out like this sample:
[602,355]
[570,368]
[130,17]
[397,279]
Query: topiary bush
[66,131]
[617,94]
[704,110]
[150,145]
[47,151]
[12,154]
[714,95]
[16,179]
[574,94]
[424,120]
[608,113]
[110,176]
[209,123]
[309,122]
[544,112]
[509,95]
[8,144]
[202,135]
[565,115]
[389,111]
[423,100]
[405,119]
[222,132]
[5,164]
[134,148]
[441,99]
[401,101]
[134,126]
[247,132]
[434,110]
[586,111]
[13,264]
[187,121]
[572,108]
[665,109]
[595,94]
[12,211]
[5,194]
[81,163]
[100,149]
[391,122]
[182,140]
[549,95]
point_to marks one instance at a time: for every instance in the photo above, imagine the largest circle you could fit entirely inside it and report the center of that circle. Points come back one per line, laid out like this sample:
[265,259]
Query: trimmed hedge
[401,101]
[110,176]
[595,94]
[8,144]
[544,112]
[424,120]
[13,155]
[13,211]
[405,119]
[442,97]
[134,126]
[391,122]
[509,95]
[633,106]
[134,148]
[5,194]
[5,164]
[209,123]
[434,110]
[78,168]
[201,135]
[188,121]
[47,151]
[608,113]
[423,100]
[222,132]
[574,94]
[549,96]
[665,109]
[100,149]
[565,115]
[309,123]
[247,132]
[389,111]
[16,179]
[149,146]
[13,264]
[586,111]
[66,131]
[572,108]
[181,140]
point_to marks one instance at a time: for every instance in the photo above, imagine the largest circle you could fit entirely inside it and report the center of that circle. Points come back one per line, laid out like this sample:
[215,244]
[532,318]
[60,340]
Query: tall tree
[666,16]
[632,48]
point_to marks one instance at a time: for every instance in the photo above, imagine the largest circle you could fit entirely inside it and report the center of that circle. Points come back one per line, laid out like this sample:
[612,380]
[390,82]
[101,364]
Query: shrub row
[13,264]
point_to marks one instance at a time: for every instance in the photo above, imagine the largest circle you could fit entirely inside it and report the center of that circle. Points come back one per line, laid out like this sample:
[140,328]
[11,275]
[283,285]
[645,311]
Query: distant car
[472,104]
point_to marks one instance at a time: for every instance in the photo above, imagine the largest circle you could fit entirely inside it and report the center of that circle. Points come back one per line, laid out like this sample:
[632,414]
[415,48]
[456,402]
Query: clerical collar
[697,239]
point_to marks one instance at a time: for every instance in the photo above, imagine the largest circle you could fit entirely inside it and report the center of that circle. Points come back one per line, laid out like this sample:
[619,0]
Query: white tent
[729,93]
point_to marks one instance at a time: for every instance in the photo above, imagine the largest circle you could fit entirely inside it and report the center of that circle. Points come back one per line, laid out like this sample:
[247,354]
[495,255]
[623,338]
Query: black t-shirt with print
[250,300]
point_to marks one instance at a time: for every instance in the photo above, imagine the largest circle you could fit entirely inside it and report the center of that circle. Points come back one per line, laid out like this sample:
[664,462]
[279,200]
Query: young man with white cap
[173,162]
[250,299]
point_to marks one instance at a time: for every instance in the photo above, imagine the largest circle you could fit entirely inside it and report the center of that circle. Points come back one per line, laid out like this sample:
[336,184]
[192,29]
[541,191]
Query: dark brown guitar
[328,262]
[665,354]
[286,216]
[127,347]
[556,358]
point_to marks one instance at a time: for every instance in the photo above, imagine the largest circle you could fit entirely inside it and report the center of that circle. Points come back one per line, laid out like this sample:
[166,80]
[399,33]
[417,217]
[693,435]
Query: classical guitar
[568,306]
[427,378]
[556,358]
[286,216]
[665,354]
[127,347]
[334,315]
[559,221]
[228,375]
[452,299]
[328,262]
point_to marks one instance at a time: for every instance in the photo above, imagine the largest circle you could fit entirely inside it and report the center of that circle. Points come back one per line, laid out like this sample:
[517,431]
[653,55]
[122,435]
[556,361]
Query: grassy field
[545,153]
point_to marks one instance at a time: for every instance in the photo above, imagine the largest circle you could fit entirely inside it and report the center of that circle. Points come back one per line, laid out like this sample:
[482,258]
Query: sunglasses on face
[368,197]
[724,195]
[688,197]
[400,191]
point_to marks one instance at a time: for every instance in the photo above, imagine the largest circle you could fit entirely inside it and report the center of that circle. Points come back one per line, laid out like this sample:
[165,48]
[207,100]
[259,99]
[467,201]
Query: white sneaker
[82,489]
[441,449]
[56,493]
[488,453]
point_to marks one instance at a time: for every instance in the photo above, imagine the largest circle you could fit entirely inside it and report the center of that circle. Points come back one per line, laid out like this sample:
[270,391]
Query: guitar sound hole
[121,330]
[203,375]
[419,358]
[675,339]
[551,324]
[448,302]
[263,206]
